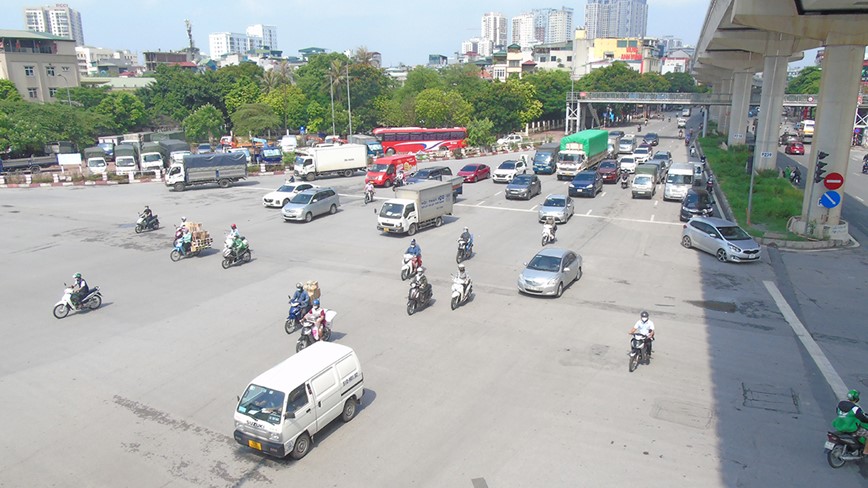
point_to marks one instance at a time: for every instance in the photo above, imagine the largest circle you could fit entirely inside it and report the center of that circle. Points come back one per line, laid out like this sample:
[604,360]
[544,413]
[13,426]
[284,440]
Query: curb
[62,183]
[808,245]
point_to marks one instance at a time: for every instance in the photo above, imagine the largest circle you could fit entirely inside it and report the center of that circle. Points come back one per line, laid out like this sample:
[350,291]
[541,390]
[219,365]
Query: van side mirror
[289,415]
[375,211]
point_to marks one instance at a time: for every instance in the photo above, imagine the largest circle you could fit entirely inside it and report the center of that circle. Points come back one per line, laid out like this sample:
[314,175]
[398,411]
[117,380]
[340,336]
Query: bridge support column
[839,89]
[771,101]
[741,81]
[723,123]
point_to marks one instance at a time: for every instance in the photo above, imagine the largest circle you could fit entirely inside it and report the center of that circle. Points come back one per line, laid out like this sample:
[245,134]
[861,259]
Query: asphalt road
[506,391]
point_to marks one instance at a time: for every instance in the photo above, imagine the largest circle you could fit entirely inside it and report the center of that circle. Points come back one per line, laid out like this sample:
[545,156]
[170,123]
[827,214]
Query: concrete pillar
[714,110]
[741,81]
[771,101]
[723,123]
[836,105]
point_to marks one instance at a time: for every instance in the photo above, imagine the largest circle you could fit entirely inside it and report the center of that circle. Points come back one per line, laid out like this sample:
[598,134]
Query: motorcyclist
[796,178]
[680,133]
[148,215]
[316,317]
[851,418]
[416,251]
[301,298]
[422,281]
[644,326]
[186,239]
[467,237]
[399,177]
[865,164]
[79,290]
[233,231]
[463,277]
[709,184]
[550,227]
[369,188]
[183,222]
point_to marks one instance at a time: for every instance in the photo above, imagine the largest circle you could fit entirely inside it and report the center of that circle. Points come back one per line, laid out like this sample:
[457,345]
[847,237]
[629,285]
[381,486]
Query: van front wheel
[349,410]
[301,446]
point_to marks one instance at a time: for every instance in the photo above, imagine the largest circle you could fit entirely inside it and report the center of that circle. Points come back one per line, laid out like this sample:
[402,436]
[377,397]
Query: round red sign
[833,181]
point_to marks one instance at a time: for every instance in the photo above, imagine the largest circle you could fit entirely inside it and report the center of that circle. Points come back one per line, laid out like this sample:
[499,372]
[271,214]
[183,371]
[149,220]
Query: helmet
[413,242]
[420,271]
[466,229]
[316,302]
[147,207]
[183,219]
[78,275]
[853,396]
[461,267]
[644,315]
[298,286]
[233,226]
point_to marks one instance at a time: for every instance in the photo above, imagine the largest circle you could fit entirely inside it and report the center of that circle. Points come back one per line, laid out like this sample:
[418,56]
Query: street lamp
[66,82]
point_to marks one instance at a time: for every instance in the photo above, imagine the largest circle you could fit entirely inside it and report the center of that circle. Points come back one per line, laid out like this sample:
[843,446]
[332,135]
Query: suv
[696,202]
[664,156]
[310,203]
[430,173]
[726,240]
[510,139]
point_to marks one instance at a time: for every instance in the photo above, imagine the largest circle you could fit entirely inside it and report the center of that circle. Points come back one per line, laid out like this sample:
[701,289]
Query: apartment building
[40,65]
[59,20]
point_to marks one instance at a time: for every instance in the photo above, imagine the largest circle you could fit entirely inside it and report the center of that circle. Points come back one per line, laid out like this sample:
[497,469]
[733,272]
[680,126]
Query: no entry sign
[833,181]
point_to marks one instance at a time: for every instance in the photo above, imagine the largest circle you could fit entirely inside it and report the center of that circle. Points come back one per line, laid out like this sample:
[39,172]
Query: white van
[685,112]
[283,408]
[288,143]
[679,179]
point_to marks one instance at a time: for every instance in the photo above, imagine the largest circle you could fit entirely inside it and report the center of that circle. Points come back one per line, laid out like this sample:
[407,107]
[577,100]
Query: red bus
[416,139]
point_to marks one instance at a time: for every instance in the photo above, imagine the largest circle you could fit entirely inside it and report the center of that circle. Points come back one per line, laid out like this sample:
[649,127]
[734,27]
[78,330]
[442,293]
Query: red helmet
[233,226]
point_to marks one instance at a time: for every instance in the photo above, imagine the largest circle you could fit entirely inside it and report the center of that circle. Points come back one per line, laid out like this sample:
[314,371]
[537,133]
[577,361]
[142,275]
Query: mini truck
[154,156]
[581,151]
[415,207]
[202,169]
[345,159]
[175,149]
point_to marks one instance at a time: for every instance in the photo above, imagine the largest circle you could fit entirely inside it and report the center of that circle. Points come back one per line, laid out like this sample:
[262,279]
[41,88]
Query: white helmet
[466,229]
[461,267]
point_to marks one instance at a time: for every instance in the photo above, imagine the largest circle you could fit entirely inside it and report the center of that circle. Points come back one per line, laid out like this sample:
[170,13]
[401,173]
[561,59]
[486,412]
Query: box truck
[344,159]
[581,151]
[415,207]
[202,169]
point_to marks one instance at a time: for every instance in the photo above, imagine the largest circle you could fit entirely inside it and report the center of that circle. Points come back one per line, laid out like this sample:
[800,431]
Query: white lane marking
[534,207]
[601,217]
[588,212]
[603,194]
[858,198]
[655,202]
[493,208]
[498,193]
[480,203]
[820,359]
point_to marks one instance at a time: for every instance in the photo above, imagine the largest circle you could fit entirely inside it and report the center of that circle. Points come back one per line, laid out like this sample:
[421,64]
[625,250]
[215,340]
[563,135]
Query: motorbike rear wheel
[405,273]
[326,333]
[94,302]
[834,456]
[61,311]
[290,326]
[175,256]
[634,361]
[545,240]
[226,263]
[411,307]
[247,256]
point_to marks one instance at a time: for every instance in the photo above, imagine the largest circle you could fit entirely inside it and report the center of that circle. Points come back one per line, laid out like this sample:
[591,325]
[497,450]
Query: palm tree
[363,57]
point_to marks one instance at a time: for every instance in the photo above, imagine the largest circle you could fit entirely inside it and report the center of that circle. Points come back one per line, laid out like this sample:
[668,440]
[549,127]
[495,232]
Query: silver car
[726,240]
[550,271]
[310,203]
[558,206]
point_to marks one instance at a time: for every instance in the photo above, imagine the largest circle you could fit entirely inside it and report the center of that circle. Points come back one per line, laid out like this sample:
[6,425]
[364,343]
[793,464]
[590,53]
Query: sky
[403,31]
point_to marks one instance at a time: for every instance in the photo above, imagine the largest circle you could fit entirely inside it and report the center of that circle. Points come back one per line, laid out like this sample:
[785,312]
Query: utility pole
[332,91]
[349,107]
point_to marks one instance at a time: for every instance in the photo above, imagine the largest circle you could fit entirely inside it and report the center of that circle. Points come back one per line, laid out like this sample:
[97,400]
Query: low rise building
[40,65]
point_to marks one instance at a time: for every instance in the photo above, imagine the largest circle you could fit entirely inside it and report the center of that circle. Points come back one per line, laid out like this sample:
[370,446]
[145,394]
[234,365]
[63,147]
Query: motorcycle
[231,256]
[693,150]
[864,168]
[625,177]
[369,196]
[418,299]
[639,351]
[408,268]
[465,250]
[460,291]
[306,337]
[293,318]
[91,301]
[180,251]
[548,234]
[842,447]
[143,224]
[796,178]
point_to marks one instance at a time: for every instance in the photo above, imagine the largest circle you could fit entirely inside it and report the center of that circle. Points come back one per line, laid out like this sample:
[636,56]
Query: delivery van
[382,172]
[283,408]
[679,179]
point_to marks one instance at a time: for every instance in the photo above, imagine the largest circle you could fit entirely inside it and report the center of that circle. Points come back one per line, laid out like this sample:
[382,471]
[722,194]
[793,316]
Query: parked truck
[202,169]
[545,159]
[175,149]
[94,158]
[415,207]
[581,151]
[375,149]
[126,158]
[344,159]
[154,156]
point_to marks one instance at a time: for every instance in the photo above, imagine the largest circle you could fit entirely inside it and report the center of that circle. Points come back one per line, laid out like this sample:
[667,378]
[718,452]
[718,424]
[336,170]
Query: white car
[628,163]
[508,169]
[641,154]
[279,197]
[510,139]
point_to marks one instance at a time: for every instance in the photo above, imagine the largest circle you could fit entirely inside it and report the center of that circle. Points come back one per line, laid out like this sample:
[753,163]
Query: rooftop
[26,34]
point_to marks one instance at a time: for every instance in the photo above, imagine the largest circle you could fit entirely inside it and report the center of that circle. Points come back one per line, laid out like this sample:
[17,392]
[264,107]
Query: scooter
[408,267]
[142,224]
[865,168]
[548,234]
[639,351]
[369,196]
[180,251]
[460,291]
[293,318]
[796,178]
[625,179]
[465,250]
[842,447]
[91,301]
[417,299]
[306,338]
[231,256]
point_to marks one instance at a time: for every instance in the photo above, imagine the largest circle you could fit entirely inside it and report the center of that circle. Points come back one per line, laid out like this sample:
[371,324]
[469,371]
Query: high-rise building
[559,26]
[266,34]
[59,20]
[523,31]
[671,43]
[616,18]
[494,30]
[256,37]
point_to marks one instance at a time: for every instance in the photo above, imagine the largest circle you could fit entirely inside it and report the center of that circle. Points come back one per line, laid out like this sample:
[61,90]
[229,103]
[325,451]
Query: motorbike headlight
[734,248]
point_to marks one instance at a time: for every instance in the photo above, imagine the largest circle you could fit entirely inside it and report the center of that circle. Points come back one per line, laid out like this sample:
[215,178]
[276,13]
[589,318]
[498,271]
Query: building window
[28,71]
[569,59]
[49,70]
[52,92]
[32,92]
[513,63]
[65,68]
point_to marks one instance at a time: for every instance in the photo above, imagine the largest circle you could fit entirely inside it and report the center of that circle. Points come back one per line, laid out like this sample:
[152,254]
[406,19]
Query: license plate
[532,288]
[255,445]
[829,445]
[753,256]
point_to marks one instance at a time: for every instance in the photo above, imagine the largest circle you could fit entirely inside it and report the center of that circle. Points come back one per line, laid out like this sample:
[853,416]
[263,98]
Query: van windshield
[679,179]
[262,404]
[542,157]
[391,210]
[379,168]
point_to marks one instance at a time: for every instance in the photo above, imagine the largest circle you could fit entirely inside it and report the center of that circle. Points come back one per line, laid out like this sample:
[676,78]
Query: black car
[430,173]
[523,186]
[651,138]
[696,202]
[587,183]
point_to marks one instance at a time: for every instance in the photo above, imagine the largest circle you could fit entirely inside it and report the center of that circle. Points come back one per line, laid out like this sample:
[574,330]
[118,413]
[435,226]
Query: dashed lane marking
[602,217]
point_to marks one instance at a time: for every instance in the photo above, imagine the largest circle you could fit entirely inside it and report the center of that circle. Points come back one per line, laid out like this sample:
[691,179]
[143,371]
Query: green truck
[581,151]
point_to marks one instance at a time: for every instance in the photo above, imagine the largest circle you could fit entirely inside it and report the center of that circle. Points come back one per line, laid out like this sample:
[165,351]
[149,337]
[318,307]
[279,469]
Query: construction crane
[190,34]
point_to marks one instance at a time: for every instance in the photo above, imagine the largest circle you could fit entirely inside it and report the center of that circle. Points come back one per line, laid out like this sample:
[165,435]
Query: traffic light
[819,171]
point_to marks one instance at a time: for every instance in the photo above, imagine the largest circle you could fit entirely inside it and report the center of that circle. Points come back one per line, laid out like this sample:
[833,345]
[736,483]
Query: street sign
[830,199]
[765,154]
[301,130]
[833,181]
[810,99]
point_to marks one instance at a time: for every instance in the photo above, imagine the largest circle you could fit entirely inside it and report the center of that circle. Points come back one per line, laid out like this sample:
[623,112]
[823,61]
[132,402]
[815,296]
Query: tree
[244,91]
[25,127]
[551,89]
[205,122]
[8,91]
[388,112]
[254,119]
[653,83]
[806,82]
[680,82]
[124,110]
[509,105]
[480,132]
[88,97]
[618,77]
[438,108]
[316,116]
[288,103]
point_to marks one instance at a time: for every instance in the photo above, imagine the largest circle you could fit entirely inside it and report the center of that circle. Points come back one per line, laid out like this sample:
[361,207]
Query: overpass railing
[800,100]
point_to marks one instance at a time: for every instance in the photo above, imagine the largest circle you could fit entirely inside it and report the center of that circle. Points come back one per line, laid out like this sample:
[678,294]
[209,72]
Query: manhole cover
[772,398]
[682,413]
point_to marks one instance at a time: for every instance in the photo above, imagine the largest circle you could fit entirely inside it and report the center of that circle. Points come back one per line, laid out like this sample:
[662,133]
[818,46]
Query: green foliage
[254,119]
[26,127]
[680,82]
[421,78]
[289,104]
[205,123]
[388,110]
[244,91]
[8,91]
[316,114]
[438,108]
[124,111]
[653,83]
[88,97]
[806,82]
[509,105]
[480,132]
[551,89]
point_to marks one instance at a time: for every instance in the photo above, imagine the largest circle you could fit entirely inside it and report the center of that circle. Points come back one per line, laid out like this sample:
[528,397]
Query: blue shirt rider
[301,297]
[467,237]
[416,251]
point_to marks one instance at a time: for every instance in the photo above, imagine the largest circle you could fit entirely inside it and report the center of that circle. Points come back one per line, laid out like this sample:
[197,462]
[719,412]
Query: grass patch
[775,200]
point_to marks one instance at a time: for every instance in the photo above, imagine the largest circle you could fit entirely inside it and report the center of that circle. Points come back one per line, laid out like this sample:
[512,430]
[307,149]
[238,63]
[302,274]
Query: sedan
[586,183]
[310,203]
[608,170]
[726,240]
[550,271]
[795,148]
[651,138]
[559,207]
[280,197]
[475,172]
[523,186]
